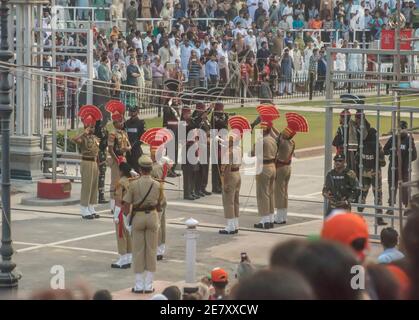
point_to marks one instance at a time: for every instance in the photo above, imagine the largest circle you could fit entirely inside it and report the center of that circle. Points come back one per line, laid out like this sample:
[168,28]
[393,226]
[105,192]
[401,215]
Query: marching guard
[123,238]
[286,147]
[135,127]
[230,175]
[89,148]
[155,138]
[146,196]
[118,144]
[265,180]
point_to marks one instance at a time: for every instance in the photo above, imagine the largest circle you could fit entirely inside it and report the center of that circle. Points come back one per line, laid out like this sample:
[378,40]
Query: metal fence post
[191,236]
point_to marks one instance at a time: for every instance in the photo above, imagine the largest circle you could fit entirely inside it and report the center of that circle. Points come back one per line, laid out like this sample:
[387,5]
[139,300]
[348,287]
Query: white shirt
[175,54]
[73,64]
[237,31]
[137,43]
[251,42]
[146,42]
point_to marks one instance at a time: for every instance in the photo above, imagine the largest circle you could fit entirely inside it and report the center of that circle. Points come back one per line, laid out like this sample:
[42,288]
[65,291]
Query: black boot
[102,198]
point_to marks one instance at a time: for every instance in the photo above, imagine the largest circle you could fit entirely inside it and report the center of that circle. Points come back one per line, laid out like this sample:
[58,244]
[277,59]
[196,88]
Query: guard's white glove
[116,213]
[133,173]
[126,224]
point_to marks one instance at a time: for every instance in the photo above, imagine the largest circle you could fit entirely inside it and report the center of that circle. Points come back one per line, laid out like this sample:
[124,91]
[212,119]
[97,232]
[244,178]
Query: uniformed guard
[89,148]
[286,147]
[219,120]
[341,186]
[171,118]
[345,140]
[102,133]
[156,138]
[123,238]
[265,180]
[118,143]
[230,174]
[145,195]
[200,120]
[134,127]
[369,170]
[407,142]
[188,167]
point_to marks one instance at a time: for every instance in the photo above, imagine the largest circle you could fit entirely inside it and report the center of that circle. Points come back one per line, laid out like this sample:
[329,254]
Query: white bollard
[191,236]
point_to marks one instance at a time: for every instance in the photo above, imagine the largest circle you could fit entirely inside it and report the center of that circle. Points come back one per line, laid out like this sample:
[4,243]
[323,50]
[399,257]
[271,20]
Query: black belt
[234,169]
[281,163]
[269,161]
[144,209]
[86,158]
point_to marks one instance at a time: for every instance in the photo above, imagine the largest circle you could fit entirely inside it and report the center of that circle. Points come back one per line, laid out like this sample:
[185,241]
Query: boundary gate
[374,110]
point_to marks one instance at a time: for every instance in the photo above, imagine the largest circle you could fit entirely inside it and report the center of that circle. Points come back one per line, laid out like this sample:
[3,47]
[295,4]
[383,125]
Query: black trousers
[405,193]
[215,178]
[132,158]
[201,178]
[189,173]
[311,78]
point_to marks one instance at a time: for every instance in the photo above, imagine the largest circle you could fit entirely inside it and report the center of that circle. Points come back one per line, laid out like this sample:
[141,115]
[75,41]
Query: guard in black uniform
[102,133]
[188,168]
[135,127]
[200,120]
[171,120]
[219,120]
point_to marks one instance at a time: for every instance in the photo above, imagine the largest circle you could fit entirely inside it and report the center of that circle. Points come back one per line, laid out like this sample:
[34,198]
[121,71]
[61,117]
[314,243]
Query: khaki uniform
[283,172]
[123,238]
[145,223]
[158,173]
[89,148]
[266,179]
[231,185]
[118,140]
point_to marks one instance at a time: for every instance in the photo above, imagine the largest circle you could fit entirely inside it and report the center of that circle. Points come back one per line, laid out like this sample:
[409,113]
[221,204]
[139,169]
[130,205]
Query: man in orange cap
[219,279]
[349,229]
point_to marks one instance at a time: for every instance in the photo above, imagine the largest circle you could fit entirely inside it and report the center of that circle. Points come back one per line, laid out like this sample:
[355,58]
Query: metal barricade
[377,140]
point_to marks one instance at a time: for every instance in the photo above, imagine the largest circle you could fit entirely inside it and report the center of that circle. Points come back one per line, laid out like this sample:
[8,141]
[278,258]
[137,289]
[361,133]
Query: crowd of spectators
[280,43]
[334,265]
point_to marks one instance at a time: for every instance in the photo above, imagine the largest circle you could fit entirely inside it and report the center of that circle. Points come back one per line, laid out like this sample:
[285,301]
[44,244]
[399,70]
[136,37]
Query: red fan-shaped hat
[89,114]
[296,123]
[155,137]
[267,112]
[117,109]
[239,123]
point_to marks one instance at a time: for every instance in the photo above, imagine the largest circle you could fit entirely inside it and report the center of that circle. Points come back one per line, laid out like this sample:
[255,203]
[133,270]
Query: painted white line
[27,243]
[214,207]
[313,194]
[66,241]
[86,249]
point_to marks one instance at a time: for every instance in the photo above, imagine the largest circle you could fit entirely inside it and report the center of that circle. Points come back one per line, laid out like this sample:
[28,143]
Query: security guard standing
[219,121]
[118,144]
[231,183]
[146,196]
[265,180]
[102,133]
[341,186]
[369,171]
[188,167]
[200,120]
[134,127]
[89,148]
[123,238]
[407,142]
[171,119]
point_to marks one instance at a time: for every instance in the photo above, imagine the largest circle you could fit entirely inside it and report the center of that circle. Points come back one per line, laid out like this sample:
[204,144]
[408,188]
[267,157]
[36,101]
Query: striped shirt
[194,70]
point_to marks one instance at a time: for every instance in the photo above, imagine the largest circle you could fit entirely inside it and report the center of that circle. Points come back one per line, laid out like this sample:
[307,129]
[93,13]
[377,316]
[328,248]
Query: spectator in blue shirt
[297,23]
[389,239]
[212,72]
